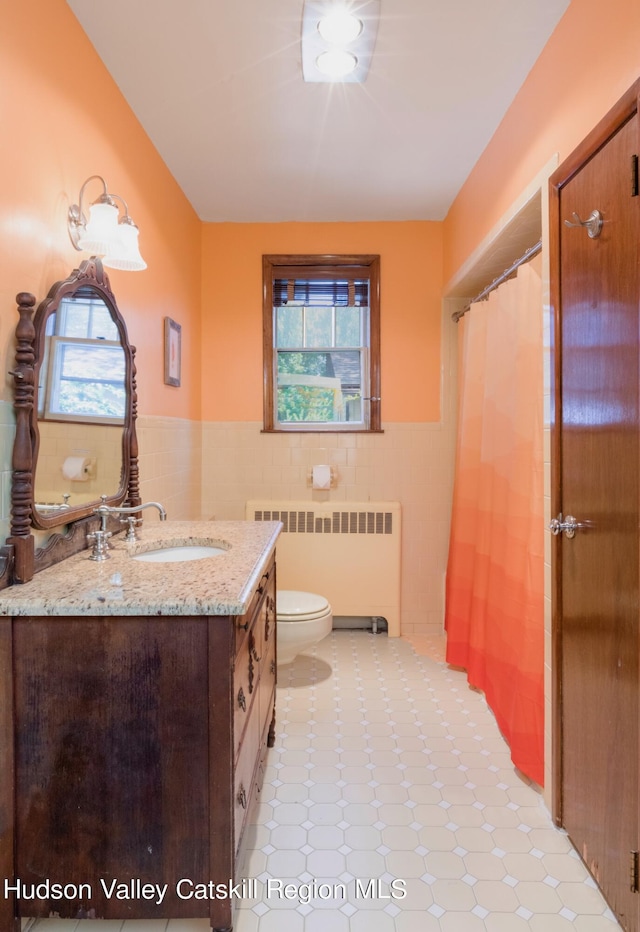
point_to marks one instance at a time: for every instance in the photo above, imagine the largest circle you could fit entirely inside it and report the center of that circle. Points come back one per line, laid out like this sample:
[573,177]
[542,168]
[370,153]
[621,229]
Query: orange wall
[64,119]
[411,285]
[590,60]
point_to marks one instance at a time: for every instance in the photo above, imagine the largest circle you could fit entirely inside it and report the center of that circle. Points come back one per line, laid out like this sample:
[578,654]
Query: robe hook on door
[593,223]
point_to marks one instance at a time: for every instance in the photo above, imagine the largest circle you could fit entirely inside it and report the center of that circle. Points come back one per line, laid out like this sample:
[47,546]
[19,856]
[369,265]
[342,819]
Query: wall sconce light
[106,234]
[338,38]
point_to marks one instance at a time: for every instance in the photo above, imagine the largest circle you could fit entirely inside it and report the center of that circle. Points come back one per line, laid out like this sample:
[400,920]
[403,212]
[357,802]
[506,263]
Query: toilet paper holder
[79,468]
[322,477]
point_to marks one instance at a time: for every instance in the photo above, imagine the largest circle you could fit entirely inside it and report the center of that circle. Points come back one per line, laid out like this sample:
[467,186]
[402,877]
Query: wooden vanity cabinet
[253,705]
[136,748]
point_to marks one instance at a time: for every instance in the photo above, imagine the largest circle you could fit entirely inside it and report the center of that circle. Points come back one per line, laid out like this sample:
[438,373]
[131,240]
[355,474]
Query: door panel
[598,568]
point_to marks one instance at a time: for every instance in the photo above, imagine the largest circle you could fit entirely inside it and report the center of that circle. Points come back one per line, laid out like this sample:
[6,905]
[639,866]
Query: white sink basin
[179,554]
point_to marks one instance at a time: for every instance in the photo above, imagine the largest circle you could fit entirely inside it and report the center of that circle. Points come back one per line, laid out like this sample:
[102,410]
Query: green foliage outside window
[310,386]
[305,402]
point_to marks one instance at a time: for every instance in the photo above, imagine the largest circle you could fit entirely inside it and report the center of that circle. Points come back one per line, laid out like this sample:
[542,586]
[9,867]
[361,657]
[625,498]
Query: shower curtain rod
[529,254]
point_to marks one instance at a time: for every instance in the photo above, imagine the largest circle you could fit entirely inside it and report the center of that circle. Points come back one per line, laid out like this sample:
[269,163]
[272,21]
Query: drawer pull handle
[252,651]
[242,702]
[269,615]
[244,627]
[252,648]
[242,797]
[261,587]
[273,666]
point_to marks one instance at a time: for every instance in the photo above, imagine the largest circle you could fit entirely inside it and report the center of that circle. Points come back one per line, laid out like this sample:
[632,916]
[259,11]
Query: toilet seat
[293,605]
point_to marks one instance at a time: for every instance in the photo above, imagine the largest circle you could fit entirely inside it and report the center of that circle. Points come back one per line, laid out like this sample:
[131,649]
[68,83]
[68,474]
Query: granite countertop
[217,585]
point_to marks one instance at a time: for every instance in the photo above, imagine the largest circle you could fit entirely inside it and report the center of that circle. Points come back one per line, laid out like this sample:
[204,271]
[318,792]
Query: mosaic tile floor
[390,805]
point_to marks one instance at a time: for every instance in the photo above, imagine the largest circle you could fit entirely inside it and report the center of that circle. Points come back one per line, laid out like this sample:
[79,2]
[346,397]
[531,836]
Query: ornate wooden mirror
[75,403]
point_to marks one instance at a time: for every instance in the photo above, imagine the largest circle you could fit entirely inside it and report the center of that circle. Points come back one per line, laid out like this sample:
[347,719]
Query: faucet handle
[132,522]
[99,535]
[100,545]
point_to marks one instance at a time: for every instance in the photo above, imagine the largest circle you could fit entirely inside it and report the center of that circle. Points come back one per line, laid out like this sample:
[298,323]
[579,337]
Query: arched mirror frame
[30,336]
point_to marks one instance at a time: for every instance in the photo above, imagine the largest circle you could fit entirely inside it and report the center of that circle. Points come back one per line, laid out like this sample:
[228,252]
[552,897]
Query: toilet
[303,619]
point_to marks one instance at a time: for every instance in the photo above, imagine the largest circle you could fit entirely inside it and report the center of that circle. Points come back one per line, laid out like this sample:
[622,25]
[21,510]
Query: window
[321,343]
[82,377]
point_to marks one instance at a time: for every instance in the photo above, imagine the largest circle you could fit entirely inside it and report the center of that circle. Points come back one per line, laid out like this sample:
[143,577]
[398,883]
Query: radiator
[349,552]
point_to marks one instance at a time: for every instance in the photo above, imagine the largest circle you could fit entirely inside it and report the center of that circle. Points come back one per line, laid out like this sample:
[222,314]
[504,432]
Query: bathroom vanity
[137,700]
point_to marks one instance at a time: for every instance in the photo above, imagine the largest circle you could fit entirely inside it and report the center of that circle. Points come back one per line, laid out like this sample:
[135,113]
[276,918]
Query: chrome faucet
[100,538]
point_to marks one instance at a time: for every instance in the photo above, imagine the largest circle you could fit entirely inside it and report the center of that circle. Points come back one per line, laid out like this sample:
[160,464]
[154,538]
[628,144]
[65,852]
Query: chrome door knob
[569,525]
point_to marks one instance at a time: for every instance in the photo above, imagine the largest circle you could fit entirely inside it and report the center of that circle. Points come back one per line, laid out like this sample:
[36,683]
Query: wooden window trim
[273,267]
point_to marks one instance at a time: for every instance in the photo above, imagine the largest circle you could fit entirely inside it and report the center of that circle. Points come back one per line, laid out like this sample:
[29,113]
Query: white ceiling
[217,85]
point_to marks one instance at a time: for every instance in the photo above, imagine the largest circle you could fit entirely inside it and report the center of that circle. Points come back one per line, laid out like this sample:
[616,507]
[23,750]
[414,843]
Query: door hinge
[633,871]
[634,176]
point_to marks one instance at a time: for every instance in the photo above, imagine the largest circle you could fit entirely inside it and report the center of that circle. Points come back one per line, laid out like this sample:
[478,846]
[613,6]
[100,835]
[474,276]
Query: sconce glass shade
[126,254]
[106,233]
[100,233]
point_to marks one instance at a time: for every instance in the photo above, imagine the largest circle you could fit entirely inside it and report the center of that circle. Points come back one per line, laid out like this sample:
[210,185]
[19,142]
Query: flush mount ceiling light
[338,38]
[339,27]
[337,63]
[106,234]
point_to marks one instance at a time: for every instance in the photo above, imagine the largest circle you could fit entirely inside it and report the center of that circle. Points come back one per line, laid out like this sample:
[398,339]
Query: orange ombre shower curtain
[495,575]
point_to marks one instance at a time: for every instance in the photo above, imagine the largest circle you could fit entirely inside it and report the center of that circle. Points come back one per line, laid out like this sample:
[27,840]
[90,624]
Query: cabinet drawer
[264,629]
[255,667]
[244,623]
[244,774]
[267,683]
[244,690]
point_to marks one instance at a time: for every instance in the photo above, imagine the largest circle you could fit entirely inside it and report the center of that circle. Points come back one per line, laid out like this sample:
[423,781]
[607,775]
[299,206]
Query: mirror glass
[81,404]
[81,426]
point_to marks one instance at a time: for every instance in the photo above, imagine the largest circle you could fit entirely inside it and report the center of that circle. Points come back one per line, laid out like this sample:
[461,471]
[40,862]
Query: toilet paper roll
[76,468]
[321,477]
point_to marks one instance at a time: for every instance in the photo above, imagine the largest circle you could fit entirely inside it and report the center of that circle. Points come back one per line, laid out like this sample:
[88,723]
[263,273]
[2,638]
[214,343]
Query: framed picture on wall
[172,351]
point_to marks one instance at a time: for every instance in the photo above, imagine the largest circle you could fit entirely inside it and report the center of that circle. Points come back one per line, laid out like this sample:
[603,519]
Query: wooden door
[596,447]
